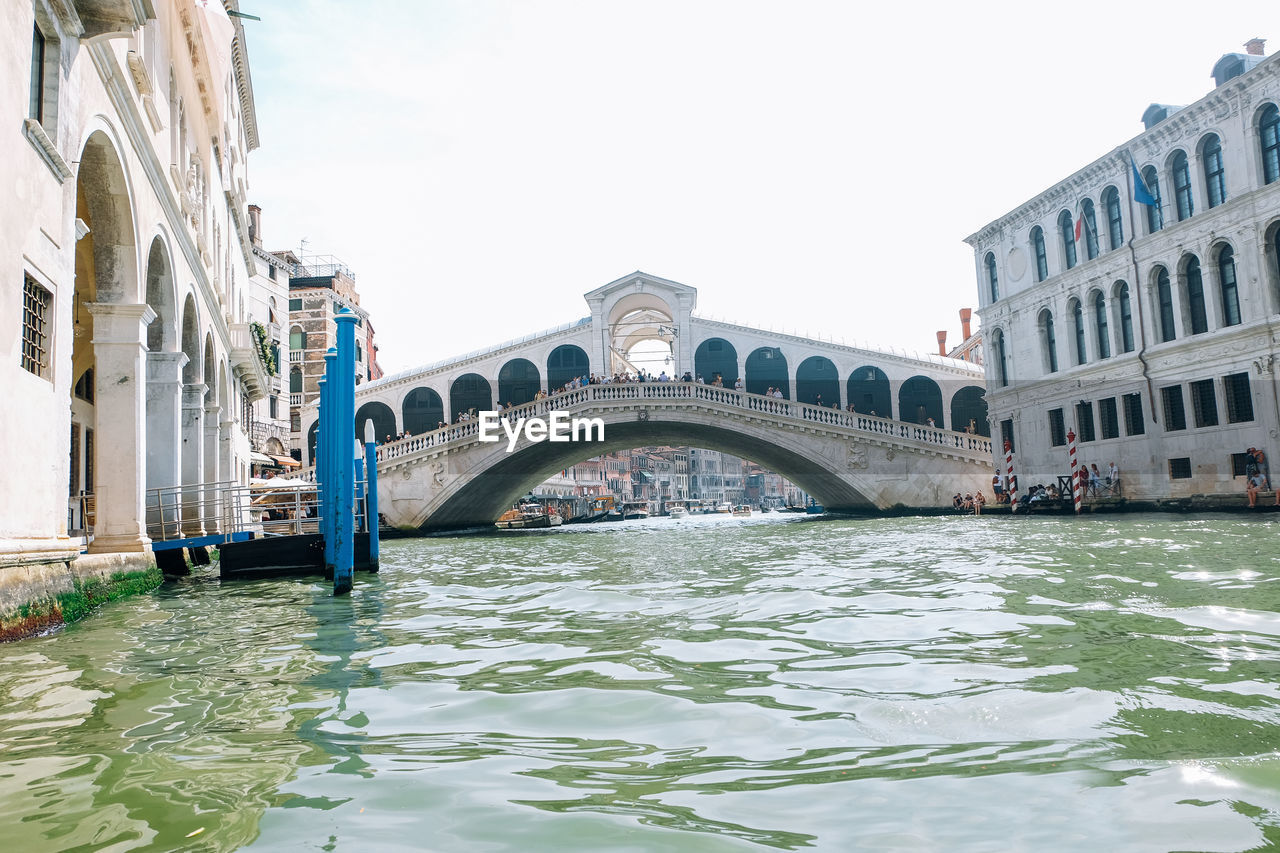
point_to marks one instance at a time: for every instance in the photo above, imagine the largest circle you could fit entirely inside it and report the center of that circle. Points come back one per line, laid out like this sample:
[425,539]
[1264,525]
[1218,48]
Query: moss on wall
[66,607]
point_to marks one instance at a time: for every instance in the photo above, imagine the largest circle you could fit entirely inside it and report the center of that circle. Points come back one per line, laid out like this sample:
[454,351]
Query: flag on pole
[1079,223]
[1140,192]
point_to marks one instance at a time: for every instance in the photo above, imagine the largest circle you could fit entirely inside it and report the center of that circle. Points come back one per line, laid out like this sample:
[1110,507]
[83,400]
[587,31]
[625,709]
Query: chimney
[942,342]
[965,315]
[255,225]
[1256,47]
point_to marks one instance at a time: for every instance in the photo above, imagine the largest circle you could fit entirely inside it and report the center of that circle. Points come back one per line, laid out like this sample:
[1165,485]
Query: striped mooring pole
[1075,480]
[1013,489]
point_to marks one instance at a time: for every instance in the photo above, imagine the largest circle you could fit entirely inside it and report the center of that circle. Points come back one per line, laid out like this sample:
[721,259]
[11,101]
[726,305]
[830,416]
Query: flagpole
[1130,191]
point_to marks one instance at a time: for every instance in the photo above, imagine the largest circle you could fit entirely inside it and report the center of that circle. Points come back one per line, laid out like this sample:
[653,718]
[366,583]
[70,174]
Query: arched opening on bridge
[817,382]
[384,421]
[566,362]
[969,407]
[422,411]
[716,356]
[920,399]
[869,392]
[470,392]
[641,334]
[767,368]
[311,441]
[518,382]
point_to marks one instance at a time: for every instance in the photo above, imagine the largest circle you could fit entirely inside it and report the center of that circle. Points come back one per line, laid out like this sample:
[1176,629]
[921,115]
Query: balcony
[246,362]
[295,400]
[295,356]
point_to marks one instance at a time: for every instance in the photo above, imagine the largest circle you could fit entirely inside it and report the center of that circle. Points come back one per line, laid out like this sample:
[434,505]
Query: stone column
[119,350]
[212,415]
[164,425]
[192,457]
[227,471]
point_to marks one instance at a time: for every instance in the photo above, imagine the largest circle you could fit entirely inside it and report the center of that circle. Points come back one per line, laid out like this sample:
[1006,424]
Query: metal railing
[265,508]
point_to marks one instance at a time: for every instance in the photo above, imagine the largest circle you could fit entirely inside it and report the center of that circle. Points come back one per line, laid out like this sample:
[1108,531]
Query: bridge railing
[691,391]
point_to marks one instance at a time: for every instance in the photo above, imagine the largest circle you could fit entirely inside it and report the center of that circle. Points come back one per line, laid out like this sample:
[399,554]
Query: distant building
[268,422]
[970,347]
[1146,329]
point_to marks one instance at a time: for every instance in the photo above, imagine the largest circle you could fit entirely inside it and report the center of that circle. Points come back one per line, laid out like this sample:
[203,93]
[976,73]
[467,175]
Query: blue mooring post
[358,457]
[330,432]
[371,492]
[318,459]
[344,420]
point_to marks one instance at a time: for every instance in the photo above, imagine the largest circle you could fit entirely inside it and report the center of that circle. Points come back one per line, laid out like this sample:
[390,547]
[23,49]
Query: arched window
[1115,224]
[1077,318]
[295,381]
[991,277]
[1269,140]
[1068,230]
[1182,186]
[1090,229]
[997,351]
[1100,322]
[1164,295]
[297,339]
[1215,181]
[1126,317]
[1050,340]
[1230,295]
[1195,297]
[1155,218]
[1042,258]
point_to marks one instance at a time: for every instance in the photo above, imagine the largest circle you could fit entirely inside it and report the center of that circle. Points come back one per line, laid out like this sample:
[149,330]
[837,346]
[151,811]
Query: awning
[287,462]
[260,458]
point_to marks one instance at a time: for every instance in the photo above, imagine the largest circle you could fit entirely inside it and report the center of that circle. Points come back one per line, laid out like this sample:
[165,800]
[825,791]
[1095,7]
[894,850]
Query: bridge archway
[970,404]
[767,368]
[567,361]
[518,382]
[422,411]
[716,355]
[384,421]
[818,382]
[470,391]
[869,392]
[919,399]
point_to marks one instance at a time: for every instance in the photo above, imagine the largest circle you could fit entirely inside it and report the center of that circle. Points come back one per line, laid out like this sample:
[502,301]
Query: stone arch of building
[919,399]
[818,381]
[565,362]
[518,382]
[716,356]
[766,367]
[422,411]
[870,391]
[969,406]
[384,421]
[470,392]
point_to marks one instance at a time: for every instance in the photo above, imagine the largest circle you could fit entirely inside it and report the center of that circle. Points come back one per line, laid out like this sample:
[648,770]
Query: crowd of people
[1257,474]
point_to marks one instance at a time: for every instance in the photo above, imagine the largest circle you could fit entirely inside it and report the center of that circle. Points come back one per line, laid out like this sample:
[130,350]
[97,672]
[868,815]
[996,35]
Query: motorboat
[635,510]
[528,516]
[677,510]
[742,511]
[725,507]
[815,509]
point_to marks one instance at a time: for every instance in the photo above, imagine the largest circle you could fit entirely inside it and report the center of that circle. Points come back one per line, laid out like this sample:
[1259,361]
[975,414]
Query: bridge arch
[421,411]
[970,404]
[818,382]
[567,361]
[766,368]
[518,382]
[919,399]
[311,441]
[469,391]
[870,392]
[716,355]
[384,421]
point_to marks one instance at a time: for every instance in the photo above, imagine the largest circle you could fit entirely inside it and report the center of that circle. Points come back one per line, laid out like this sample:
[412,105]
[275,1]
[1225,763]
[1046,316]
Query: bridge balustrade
[609,392]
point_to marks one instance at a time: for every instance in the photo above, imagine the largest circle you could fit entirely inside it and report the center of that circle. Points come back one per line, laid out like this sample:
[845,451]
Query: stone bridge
[447,478]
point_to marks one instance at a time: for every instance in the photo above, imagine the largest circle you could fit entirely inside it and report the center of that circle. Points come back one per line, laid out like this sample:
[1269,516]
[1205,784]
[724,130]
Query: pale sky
[807,165]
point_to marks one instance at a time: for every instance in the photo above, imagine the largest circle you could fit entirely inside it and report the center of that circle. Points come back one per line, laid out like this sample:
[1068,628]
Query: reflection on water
[709,684]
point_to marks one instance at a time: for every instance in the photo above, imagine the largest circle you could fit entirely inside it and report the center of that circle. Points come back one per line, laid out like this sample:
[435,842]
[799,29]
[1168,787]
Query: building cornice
[244,80]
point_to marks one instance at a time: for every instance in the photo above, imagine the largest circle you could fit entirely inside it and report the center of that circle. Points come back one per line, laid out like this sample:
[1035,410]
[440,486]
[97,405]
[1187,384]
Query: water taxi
[725,507]
[677,509]
[634,510]
[742,511]
[528,516]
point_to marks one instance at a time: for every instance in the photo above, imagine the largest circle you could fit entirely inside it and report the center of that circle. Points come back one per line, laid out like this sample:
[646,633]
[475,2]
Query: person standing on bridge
[737,384]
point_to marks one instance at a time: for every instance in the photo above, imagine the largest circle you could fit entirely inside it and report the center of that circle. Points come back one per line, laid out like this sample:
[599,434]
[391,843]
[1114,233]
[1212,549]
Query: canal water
[957,684]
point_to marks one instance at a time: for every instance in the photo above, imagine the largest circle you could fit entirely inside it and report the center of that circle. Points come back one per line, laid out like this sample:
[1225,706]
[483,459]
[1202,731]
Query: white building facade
[1150,331]
[124,132]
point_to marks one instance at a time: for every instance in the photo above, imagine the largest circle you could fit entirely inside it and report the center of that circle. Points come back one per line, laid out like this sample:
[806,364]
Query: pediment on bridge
[643,282]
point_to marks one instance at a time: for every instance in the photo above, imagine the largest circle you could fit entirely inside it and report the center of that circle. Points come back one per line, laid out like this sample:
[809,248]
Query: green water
[953,684]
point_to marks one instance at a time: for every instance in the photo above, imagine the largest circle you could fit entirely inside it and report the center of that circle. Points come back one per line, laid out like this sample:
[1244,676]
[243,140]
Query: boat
[815,509]
[634,510]
[677,509]
[528,516]
[725,507]
[601,509]
[742,511]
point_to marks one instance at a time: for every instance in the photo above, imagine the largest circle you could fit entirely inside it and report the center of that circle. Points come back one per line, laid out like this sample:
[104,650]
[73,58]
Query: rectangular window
[1006,434]
[1057,428]
[36,302]
[271,272]
[1084,421]
[35,107]
[74,480]
[1175,415]
[1108,416]
[88,461]
[1239,464]
[1180,468]
[295,304]
[1203,403]
[1133,423]
[273,407]
[1239,398]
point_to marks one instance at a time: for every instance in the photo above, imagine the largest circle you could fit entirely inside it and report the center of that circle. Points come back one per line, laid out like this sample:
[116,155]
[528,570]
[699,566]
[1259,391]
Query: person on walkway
[1095,480]
[997,486]
[737,384]
[1113,479]
[1251,487]
[979,501]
